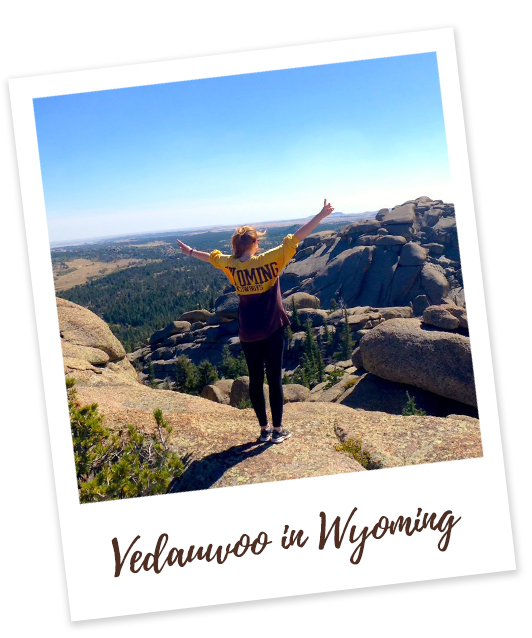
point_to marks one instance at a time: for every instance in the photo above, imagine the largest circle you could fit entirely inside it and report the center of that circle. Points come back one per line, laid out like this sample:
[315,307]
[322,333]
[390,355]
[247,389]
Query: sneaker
[279,436]
[265,434]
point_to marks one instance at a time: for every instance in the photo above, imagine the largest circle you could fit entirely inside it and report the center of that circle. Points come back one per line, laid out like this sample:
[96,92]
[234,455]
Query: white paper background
[48,40]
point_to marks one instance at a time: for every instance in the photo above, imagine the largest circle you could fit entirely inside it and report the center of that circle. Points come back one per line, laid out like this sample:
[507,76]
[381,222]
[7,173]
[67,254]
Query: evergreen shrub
[117,465]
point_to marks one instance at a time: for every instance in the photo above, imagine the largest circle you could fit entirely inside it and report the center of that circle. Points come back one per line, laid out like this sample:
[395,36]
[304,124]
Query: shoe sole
[281,439]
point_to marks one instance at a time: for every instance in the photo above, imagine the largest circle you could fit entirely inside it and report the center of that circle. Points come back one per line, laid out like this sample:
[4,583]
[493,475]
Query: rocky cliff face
[405,252]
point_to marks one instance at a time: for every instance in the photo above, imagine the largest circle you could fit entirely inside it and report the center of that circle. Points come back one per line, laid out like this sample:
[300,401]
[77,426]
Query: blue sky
[241,149]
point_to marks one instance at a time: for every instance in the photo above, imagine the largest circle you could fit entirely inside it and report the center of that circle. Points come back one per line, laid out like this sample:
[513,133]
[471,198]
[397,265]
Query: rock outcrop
[219,442]
[91,353]
[407,351]
[406,252]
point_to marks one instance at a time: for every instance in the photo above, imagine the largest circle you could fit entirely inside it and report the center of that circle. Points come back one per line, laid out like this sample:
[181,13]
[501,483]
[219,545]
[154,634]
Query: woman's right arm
[311,225]
[192,252]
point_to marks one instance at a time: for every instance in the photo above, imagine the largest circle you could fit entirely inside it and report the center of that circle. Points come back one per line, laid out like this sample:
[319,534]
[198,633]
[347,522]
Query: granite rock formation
[408,251]
[91,353]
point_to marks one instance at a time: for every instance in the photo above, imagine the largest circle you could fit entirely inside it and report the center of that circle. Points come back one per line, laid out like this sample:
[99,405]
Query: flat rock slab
[221,442]
[394,441]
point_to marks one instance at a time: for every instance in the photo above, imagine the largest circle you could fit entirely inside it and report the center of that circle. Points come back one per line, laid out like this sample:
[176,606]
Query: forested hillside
[140,300]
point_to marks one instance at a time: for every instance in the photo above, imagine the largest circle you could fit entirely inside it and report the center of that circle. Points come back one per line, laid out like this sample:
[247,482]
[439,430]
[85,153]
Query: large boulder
[174,328]
[316,316]
[440,317]
[400,215]
[390,240]
[295,392]
[403,230]
[239,391]
[413,254]
[301,300]
[402,350]
[367,227]
[91,353]
[434,283]
[81,327]
[432,216]
[219,392]
[434,248]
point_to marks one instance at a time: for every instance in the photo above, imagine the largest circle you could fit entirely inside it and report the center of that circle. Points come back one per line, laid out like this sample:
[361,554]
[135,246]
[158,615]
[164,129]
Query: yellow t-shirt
[258,273]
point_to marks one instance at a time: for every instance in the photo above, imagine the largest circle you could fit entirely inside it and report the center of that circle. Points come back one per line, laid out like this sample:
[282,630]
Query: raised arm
[192,252]
[305,230]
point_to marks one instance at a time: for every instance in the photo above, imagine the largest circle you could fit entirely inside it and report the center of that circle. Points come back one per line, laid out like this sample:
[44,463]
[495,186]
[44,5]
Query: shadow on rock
[373,393]
[204,473]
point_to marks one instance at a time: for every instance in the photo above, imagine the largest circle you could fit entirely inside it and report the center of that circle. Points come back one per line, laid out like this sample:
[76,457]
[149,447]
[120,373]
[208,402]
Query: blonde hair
[243,238]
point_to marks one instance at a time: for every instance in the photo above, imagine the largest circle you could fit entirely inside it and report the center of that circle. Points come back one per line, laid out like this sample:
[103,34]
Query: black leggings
[267,352]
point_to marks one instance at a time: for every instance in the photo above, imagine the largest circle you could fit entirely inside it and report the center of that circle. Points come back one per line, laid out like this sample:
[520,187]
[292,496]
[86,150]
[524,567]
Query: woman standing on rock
[261,315]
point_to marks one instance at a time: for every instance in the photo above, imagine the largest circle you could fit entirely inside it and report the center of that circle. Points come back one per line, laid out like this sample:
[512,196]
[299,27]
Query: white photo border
[474,489]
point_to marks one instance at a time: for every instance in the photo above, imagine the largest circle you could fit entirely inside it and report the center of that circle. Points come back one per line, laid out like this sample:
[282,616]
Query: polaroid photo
[261,324]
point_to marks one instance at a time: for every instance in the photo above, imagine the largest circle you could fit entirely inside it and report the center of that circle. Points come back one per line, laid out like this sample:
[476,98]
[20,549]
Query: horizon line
[81,240]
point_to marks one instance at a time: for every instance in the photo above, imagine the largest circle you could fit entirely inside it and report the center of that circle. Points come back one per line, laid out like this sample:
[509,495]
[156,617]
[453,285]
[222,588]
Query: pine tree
[347,344]
[226,361]
[288,335]
[207,374]
[241,365]
[311,365]
[411,408]
[232,367]
[295,320]
[186,375]
[320,367]
[118,465]
[328,335]
[300,376]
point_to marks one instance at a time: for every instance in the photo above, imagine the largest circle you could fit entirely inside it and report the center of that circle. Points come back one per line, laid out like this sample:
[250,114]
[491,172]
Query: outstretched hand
[327,209]
[184,248]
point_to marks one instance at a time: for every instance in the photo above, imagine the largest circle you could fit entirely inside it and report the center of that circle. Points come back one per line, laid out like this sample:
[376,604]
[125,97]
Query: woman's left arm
[311,225]
[192,252]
